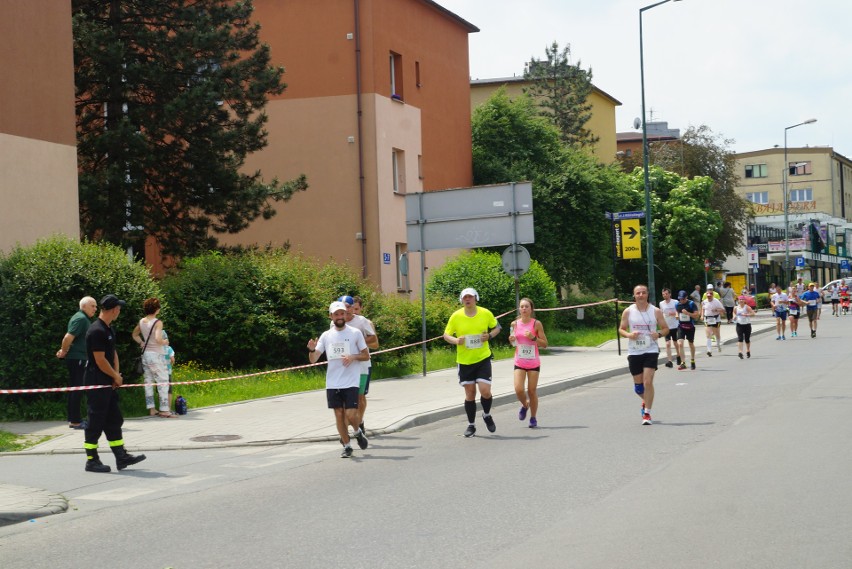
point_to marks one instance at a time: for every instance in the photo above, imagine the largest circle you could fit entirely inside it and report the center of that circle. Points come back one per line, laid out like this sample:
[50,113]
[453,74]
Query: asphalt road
[748,464]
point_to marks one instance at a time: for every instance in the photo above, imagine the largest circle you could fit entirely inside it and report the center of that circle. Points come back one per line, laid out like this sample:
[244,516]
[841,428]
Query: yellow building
[601,123]
[38,152]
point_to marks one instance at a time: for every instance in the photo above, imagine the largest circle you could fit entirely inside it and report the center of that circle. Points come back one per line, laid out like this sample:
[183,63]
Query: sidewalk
[394,405]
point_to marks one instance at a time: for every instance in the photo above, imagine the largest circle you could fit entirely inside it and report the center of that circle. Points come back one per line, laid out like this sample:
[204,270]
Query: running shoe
[679,360]
[740,355]
[748,354]
[682,366]
[522,414]
[470,431]
[709,354]
[783,337]
[646,419]
[669,364]
[692,364]
[813,333]
[489,423]
[362,440]
[533,423]
[778,338]
[347,452]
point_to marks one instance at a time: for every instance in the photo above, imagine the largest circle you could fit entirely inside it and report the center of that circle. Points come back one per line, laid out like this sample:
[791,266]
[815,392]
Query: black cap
[110,301]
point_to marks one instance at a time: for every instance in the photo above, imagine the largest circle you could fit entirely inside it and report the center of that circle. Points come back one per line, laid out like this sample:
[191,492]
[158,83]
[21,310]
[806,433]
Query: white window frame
[758,197]
[802,195]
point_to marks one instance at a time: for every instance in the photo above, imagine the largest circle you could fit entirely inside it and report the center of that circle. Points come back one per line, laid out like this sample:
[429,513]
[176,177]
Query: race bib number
[684,317]
[639,343]
[812,303]
[711,319]
[336,350]
[473,342]
[526,351]
[794,310]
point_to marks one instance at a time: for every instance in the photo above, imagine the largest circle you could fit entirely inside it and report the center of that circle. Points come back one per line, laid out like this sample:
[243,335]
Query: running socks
[486,405]
[470,410]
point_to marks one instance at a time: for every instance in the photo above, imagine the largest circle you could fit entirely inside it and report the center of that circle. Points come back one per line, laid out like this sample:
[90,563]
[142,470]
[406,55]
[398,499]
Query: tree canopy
[561,90]
[571,192]
[169,102]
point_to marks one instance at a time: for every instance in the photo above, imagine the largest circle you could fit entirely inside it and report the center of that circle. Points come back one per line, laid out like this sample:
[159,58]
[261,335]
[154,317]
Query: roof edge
[471,29]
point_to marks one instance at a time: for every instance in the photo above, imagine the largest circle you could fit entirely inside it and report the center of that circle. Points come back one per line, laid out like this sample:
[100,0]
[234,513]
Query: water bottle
[180,405]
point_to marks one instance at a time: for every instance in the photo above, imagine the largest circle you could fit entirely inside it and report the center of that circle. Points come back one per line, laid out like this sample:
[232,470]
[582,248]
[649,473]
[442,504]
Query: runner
[794,307]
[780,302]
[812,300]
[345,347]
[356,320]
[642,324]
[743,314]
[834,291]
[669,308]
[687,312]
[469,329]
[728,300]
[527,335]
[711,312]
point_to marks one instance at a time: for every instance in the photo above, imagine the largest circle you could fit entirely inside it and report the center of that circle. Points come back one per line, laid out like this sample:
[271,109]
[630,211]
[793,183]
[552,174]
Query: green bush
[762,300]
[484,272]
[599,316]
[40,289]
[247,310]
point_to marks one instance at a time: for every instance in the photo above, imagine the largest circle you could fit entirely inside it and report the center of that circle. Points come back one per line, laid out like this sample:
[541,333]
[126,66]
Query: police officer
[102,369]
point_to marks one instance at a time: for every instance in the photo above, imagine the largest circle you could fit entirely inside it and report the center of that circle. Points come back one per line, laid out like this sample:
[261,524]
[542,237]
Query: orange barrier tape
[259,373]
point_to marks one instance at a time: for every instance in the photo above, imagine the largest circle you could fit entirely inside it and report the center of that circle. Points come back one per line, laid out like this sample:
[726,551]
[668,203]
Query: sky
[747,69]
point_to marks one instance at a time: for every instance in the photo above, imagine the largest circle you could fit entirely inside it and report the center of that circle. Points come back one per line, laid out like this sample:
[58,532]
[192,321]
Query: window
[420,166]
[402,267]
[417,74]
[398,165]
[758,197]
[396,76]
[800,168]
[755,171]
[806,195]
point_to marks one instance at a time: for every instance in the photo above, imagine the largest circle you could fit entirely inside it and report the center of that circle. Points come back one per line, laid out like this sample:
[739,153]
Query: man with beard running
[345,348]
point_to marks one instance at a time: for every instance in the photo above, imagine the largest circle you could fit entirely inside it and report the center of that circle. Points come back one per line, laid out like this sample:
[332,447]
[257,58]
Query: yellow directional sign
[631,239]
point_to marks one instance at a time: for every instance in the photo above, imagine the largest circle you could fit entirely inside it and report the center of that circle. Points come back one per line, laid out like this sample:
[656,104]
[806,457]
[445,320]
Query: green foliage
[761,300]
[571,191]
[251,310]
[601,316]
[170,99]
[561,90]
[40,289]
[484,272]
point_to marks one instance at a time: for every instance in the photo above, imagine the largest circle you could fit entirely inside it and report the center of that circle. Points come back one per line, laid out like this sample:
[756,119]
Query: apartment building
[819,212]
[38,155]
[377,106]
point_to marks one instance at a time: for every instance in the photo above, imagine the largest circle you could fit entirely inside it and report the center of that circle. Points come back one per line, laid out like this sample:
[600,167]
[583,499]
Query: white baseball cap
[709,287]
[469,291]
[335,306]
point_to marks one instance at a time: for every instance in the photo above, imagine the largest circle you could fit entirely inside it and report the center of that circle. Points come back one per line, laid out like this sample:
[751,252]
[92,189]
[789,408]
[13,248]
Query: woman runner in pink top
[527,335]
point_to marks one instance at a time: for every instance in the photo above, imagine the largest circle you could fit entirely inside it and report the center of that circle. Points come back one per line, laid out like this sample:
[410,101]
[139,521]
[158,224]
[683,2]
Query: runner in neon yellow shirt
[469,329]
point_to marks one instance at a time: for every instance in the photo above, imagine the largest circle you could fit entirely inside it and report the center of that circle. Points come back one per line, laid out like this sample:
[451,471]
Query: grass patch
[11,442]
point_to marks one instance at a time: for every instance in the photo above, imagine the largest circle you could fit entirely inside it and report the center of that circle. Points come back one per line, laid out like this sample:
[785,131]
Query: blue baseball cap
[346,300]
[681,294]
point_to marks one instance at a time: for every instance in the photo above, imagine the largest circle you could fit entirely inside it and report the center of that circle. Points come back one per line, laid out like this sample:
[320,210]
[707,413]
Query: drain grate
[215,438]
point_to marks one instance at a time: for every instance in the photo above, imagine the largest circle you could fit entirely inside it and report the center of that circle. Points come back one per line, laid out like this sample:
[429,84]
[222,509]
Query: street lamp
[649,240]
[787,206]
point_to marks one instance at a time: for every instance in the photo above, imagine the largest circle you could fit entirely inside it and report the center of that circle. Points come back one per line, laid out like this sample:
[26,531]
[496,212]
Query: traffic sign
[844,265]
[800,262]
[631,238]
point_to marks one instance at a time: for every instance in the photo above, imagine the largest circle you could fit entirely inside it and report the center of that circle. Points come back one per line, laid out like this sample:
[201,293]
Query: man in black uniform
[102,369]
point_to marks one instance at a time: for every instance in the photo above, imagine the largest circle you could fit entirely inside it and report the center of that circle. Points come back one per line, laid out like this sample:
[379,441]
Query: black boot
[123,459]
[93,462]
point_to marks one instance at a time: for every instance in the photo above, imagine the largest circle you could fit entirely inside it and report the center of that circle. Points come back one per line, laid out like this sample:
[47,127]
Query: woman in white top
[711,312]
[150,330]
[742,315]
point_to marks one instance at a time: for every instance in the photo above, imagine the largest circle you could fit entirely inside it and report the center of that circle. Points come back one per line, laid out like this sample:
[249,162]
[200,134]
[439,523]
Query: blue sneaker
[533,423]
[522,414]
[778,338]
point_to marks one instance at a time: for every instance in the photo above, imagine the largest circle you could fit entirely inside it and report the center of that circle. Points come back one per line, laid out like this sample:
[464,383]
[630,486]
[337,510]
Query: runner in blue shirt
[812,298]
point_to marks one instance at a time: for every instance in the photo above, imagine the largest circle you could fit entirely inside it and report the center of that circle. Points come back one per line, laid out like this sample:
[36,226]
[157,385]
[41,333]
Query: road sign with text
[631,239]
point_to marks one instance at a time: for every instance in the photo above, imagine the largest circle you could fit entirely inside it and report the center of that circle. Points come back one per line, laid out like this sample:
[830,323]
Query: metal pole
[787,206]
[649,238]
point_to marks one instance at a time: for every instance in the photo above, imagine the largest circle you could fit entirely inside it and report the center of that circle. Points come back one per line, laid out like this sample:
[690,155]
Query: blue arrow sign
[629,215]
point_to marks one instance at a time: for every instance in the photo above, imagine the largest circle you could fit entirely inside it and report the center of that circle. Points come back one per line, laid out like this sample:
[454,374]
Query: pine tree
[169,102]
[561,89]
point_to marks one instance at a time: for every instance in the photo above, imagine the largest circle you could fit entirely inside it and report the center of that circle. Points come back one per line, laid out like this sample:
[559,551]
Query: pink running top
[526,350]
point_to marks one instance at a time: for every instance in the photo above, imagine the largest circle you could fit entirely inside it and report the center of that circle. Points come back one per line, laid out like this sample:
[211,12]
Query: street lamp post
[787,206]
[649,238]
